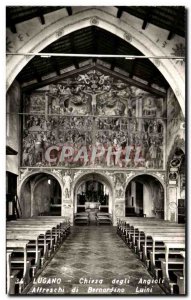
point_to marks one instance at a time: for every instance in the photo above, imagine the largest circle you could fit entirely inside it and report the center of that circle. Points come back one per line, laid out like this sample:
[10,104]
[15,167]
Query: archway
[40,194]
[93,195]
[102,19]
[144,196]
[99,189]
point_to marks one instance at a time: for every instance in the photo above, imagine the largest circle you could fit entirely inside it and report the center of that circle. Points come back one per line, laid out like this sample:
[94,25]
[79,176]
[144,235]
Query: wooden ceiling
[94,40]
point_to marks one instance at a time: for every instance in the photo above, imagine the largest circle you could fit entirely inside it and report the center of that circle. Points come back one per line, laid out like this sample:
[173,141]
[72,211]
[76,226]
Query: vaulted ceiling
[94,40]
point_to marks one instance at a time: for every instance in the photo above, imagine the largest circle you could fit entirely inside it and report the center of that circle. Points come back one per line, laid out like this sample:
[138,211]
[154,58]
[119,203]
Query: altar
[92,205]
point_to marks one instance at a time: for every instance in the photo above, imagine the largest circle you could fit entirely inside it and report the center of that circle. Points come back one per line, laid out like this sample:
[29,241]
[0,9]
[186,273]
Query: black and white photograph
[96,150]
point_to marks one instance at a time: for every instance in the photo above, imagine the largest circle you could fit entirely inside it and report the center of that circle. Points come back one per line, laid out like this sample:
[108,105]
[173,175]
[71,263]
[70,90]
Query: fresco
[93,119]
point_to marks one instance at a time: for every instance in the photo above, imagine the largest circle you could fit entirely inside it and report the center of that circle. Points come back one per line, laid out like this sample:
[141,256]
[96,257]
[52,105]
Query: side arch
[26,179]
[159,179]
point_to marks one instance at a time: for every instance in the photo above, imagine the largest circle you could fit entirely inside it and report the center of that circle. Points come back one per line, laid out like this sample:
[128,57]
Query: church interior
[95,150]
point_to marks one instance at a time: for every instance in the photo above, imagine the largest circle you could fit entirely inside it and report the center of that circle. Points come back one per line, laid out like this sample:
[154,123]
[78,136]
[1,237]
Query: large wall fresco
[93,120]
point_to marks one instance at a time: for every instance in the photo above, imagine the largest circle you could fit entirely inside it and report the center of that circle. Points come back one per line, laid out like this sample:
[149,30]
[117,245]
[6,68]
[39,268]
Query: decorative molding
[94,21]
[60,32]
[128,37]
[156,62]
[179,50]
[9,45]
[160,175]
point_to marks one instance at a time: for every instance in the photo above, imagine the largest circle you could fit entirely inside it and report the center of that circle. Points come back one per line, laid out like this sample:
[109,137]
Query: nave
[94,259]
[94,253]
[95,145]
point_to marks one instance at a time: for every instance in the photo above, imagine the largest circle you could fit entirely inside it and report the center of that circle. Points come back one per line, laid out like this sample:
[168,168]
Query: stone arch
[158,178]
[103,178]
[104,20]
[143,173]
[27,177]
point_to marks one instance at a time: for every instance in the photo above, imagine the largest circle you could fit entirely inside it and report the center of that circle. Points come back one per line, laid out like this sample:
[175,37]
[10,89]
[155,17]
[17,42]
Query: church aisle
[93,253]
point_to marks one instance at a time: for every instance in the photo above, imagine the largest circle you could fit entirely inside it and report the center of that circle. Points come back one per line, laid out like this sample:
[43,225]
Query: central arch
[96,176]
[104,20]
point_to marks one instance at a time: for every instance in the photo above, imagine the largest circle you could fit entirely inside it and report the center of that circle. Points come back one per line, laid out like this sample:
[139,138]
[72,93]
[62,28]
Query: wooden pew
[165,237]
[64,221]
[13,246]
[181,276]
[32,236]
[11,275]
[53,232]
[41,236]
[42,243]
[58,224]
[144,231]
[82,218]
[131,221]
[33,233]
[103,218]
[39,232]
[155,236]
[170,263]
[135,228]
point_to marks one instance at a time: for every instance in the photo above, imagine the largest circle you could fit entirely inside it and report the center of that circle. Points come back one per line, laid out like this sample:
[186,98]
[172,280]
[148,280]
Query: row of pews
[100,218]
[161,246]
[30,243]
[82,218]
[103,218]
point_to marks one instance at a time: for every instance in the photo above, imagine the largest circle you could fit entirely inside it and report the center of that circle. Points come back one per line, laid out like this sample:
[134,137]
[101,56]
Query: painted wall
[12,126]
[95,109]
[175,121]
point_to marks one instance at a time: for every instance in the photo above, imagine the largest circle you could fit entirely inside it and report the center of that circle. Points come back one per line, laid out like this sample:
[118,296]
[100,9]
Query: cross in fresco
[94,98]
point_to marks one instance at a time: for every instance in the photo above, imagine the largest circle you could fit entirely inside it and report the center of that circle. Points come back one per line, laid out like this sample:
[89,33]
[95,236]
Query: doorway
[41,195]
[144,197]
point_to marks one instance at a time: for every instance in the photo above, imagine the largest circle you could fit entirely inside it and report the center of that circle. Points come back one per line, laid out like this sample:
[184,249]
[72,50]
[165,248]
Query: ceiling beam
[35,72]
[115,46]
[132,81]
[119,13]
[132,68]
[73,50]
[171,35]
[147,18]
[48,81]
[172,32]
[69,10]
[95,38]
[9,22]
[41,15]
[10,151]
[55,65]
[12,22]
[86,69]
[150,80]
[112,64]
[54,62]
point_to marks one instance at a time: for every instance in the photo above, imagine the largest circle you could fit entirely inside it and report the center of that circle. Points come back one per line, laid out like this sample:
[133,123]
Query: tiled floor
[90,253]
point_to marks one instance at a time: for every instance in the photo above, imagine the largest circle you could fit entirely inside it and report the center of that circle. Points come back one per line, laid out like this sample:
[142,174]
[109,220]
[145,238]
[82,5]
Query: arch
[104,20]
[147,202]
[98,176]
[27,178]
[143,173]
